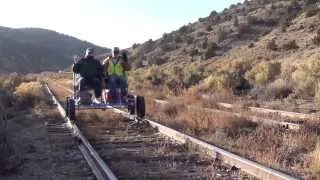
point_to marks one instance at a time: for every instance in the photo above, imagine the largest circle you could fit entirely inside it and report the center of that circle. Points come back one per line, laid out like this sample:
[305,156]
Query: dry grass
[315,159]
[30,94]
[273,146]
[92,116]
[263,73]
[187,114]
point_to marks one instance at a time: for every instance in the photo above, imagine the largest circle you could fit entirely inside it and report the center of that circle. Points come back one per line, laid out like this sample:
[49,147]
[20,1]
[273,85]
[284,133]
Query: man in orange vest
[115,68]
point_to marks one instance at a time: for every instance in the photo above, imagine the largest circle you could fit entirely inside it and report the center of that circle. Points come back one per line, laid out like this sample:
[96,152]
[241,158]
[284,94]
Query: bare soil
[37,152]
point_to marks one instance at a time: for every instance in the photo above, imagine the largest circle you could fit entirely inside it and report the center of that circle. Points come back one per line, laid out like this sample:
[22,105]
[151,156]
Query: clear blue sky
[105,22]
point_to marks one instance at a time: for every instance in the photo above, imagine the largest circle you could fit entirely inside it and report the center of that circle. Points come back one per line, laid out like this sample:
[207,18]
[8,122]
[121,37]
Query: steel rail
[272,111]
[287,125]
[263,111]
[97,165]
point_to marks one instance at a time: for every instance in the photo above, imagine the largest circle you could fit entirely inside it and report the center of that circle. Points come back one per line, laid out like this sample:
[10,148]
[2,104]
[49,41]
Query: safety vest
[115,68]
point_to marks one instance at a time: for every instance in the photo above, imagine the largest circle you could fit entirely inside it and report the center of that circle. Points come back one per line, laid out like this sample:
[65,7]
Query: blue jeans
[93,83]
[114,82]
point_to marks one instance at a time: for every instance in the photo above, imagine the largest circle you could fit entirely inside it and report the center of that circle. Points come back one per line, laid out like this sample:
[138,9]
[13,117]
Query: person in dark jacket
[91,72]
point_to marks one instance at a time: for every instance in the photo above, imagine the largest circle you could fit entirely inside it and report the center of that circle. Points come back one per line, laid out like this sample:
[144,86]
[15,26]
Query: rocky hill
[265,48]
[246,27]
[34,50]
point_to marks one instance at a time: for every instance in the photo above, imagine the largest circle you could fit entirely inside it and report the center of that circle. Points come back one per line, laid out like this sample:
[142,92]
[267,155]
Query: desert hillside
[264,48]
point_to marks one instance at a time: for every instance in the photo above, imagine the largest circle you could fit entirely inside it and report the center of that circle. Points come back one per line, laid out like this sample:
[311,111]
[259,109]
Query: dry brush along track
[268,121]
[141,152]
[253,118]
[122,142]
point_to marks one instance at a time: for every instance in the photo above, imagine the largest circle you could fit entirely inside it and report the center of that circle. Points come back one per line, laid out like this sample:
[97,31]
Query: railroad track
[268,121]
[115,147]
[149,154]
[285,114]
[97,165]
[66,159]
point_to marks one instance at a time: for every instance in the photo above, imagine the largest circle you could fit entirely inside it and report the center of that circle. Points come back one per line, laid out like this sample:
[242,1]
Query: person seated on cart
[115,68]
[91,72]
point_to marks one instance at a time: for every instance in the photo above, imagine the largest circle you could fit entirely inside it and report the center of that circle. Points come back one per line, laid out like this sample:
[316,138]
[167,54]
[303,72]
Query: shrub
[284,23]
[215,82]
[201,19]
[305,78]
[278,89]
[244,29]
[155,76]
[312,12]
[211,51]
[263,73]
[30,94]
[166,38]
[168,47]
[10,82]
[160,61]
[201,33]
[209,28]
[310,2]
[174,86]
[189,39]
[287,71]
[227,76]
[272,45]
[193,53]
[191,79]
[255,20]
[205,43]
[178,39]
[135,45]
[148,46]
[185,30]
[236,22]
[316,39]
[213,13]
[290,45]
[315,159]
[222,34]
[317,96]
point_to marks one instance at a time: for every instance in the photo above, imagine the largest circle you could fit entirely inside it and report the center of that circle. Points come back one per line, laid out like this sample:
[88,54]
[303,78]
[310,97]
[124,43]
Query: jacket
[89,68]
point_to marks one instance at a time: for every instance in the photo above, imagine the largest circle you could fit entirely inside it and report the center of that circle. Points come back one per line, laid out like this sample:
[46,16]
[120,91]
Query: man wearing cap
[91,72]
[115,68]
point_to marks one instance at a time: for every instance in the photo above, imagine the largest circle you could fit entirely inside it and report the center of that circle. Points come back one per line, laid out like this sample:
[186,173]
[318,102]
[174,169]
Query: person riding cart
[91,72]
[115,68]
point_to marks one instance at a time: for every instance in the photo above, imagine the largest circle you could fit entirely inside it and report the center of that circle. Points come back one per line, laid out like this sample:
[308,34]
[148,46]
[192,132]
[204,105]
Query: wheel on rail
[66,106]
[70,109]
[140,106]
[131,104]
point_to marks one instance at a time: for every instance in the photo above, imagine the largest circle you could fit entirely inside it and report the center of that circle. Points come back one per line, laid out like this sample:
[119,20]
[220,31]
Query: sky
[108,23]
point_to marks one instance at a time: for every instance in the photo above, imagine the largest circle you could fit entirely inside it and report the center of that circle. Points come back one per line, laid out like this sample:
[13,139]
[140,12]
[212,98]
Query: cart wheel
[72,109]
[140,106]
[66,107]
[131,104]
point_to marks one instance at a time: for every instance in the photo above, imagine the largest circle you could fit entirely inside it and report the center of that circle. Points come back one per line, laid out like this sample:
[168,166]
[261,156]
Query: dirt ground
[36,153]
